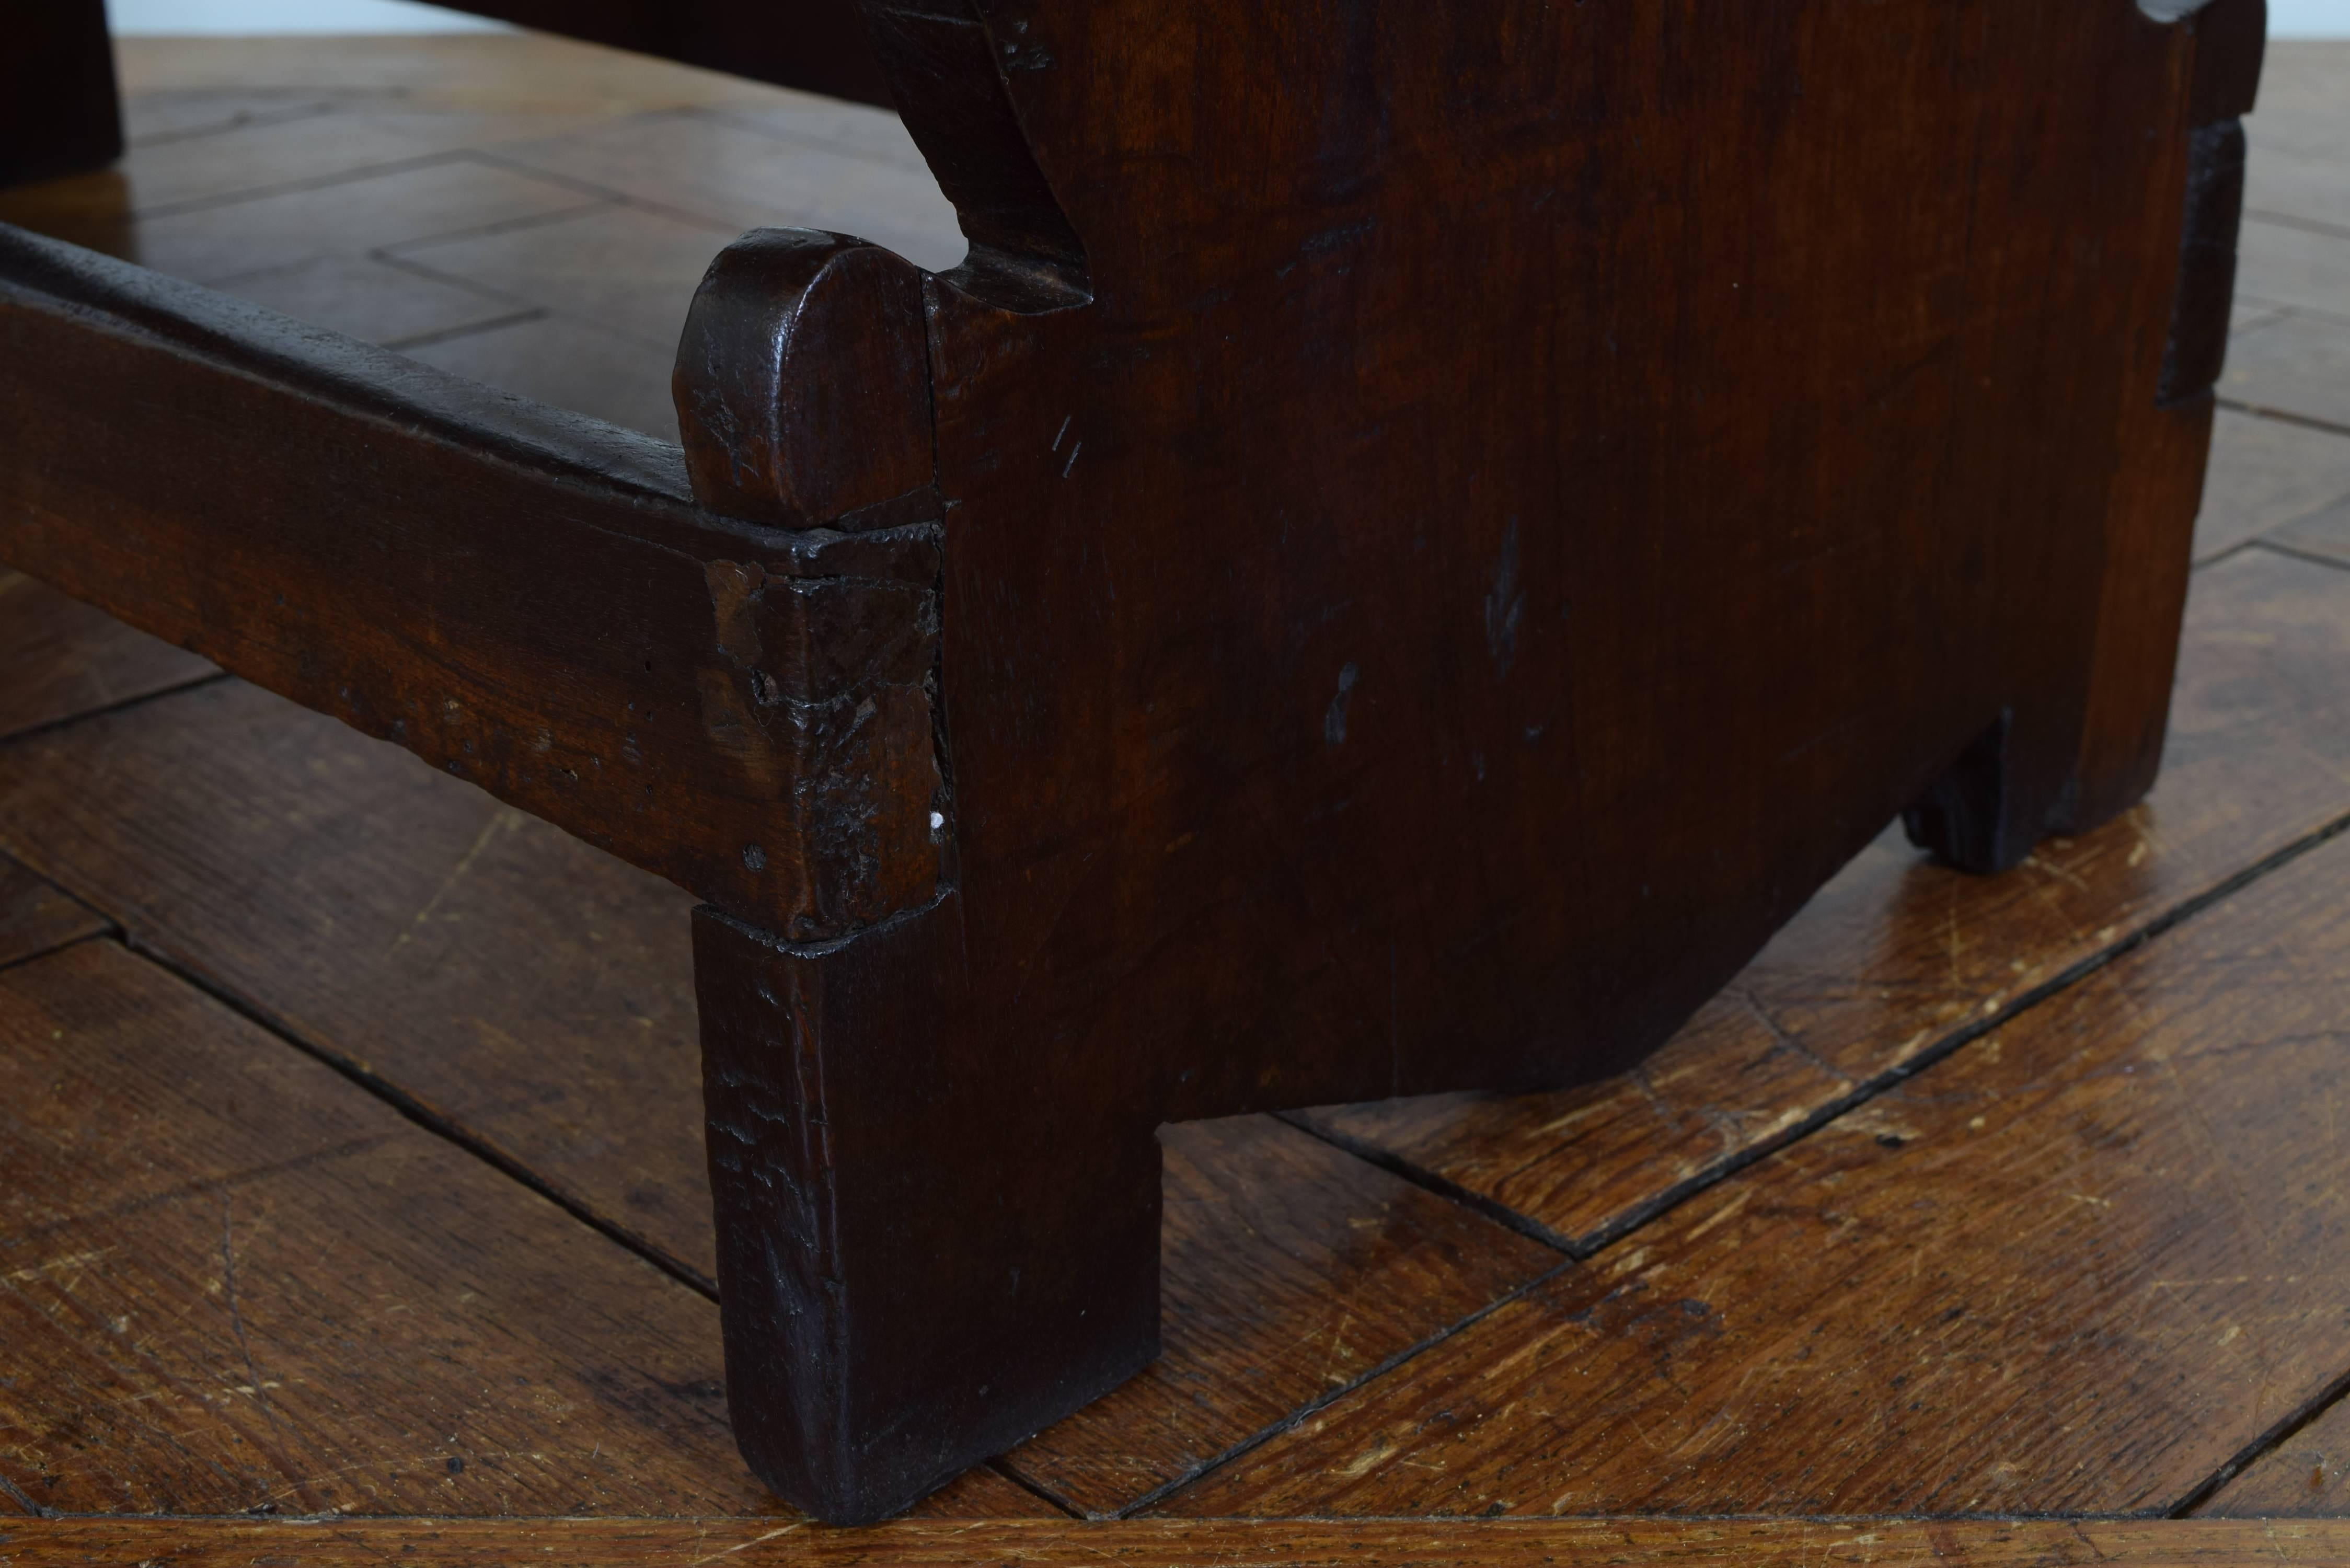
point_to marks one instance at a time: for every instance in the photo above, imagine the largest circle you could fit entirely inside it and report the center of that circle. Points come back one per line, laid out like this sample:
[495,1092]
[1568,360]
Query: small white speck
[938,820]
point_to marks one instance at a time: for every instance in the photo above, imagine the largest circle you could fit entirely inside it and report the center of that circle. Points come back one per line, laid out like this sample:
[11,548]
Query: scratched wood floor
[350,1156]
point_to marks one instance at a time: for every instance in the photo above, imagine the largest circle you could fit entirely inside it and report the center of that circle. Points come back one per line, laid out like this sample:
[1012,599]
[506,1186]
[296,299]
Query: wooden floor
[350,1157]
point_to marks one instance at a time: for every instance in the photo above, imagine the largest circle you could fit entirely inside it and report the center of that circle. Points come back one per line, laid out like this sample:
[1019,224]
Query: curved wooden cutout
[1529,492]
[947,67]
[1503,499]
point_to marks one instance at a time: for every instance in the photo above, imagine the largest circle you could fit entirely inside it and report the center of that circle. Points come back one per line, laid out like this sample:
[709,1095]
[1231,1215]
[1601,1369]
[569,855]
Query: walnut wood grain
[506,976]
[289,860]
[2151,509]
[738,708]
[35,916]
[1382,652]
[906,1288]
[1424,589]
[1896,956]
[231,1280]
[1164,1543]
[536,993]
[64,658]
[2079,1266]
[1288,1273]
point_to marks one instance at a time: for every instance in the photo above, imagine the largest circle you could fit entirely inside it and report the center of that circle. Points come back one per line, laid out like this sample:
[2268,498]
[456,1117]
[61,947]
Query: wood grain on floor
[2306,1475]
[35,916]
[1298,1543]
[2077,1267]
[372,1141]
[1897,958]
[237,1283]
[528,211]
[536,994]
[63,658]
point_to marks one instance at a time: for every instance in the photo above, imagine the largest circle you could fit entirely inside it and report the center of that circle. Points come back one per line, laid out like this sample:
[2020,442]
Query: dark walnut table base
[1410,546]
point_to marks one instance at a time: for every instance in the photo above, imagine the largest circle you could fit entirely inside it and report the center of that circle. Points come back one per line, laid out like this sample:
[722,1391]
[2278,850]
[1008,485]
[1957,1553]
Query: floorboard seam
[2205,562]
[2277,547]
[2293,221]
[26,1504]
[472,329]
[1585,1248]
[2283,416]
[51,726]
[55,948]
[1251,1521]
[499,225]
[1323,1401]
[1672,1197]
[2260,1448]
[1394,1164]
[2202,564]
[309,109]
[1002,1464]
[389,256]
[291,187]
[681,215]
[423,1115]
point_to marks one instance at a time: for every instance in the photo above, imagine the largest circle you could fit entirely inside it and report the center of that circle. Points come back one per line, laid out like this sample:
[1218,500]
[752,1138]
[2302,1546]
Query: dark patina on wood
[815,45]
[58,112]
[1417,539]
[522,596]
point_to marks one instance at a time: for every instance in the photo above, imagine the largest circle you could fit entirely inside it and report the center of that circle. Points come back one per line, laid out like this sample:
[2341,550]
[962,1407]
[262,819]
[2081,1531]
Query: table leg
[59,111]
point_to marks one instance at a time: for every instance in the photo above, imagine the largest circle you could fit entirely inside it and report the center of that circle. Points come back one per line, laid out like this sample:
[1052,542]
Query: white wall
[259,16]
[2309,18]
[2287,18]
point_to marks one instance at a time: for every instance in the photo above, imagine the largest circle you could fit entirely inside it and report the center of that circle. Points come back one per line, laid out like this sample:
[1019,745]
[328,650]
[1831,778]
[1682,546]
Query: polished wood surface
[1897,962]
[1249,814]
[1287,1543]
[426,936]
[520,596]
[275,860]
[240,1284]
[2305,1475]
[1004,868]
[1846,1326]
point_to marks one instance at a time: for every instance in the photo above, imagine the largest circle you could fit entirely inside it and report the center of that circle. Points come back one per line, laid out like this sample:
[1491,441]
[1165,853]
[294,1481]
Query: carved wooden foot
[924,1255]
[1968,817]
[2019,780]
